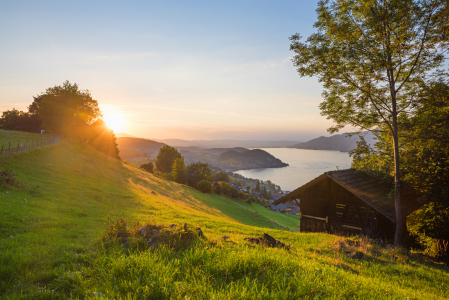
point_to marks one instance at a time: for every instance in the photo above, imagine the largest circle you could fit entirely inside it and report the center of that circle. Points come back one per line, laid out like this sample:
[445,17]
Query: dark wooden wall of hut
[344,211]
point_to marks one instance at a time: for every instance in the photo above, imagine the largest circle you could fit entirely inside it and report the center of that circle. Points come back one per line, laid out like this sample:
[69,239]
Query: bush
[216,188]
[148,167]
[7,178]
[225,188]
[204,186]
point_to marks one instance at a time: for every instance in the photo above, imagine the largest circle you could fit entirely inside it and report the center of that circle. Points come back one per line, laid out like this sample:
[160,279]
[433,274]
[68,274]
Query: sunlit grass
[51,228]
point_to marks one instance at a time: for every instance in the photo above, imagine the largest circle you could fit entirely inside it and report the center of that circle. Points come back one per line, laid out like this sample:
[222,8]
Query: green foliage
[179,171]
[21,121]
[220,176]
[204,186]
[165,159]
[425,160]
[66,109]
[258,186]
[225,188]
[234,193]
[242,195]
[148,167]
[102,138]
[371,58]
[216,188]
[197,172]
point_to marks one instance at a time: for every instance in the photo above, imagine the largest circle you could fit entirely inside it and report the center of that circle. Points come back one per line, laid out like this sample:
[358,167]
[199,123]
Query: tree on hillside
[225,188]
[148,167]
[220,176]
[204,186]
[424,162]
[102,138]
[21,121]
[66,109]
[197,172]
[165,159]
[258,186]
[370,55]
[179,170]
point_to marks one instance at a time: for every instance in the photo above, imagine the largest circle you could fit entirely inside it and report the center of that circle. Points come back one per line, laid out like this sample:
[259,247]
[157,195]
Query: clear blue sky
[168,69]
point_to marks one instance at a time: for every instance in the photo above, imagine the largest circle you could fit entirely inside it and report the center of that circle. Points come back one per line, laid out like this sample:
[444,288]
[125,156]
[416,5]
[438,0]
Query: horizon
[197,71]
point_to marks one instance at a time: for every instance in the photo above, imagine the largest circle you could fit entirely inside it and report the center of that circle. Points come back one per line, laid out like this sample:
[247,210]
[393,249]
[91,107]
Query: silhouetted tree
[66,109]
[148,167]
[165,159]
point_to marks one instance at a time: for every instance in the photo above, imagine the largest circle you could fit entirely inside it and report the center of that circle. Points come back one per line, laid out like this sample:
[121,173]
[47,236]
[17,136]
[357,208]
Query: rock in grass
[267,240]
[142,230]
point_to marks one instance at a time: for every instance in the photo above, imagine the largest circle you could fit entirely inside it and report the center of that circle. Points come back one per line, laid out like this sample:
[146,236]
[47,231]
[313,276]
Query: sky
[168,69]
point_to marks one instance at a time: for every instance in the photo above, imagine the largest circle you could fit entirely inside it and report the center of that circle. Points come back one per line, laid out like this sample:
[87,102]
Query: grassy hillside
[52,223]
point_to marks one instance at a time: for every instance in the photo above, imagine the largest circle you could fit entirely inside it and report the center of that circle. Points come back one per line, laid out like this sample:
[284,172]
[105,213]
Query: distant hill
[122,134]
[131,147]
[338,142]
[227,143]
[248,159]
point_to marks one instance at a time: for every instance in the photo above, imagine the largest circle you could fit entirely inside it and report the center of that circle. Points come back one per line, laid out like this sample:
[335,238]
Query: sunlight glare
[114,121]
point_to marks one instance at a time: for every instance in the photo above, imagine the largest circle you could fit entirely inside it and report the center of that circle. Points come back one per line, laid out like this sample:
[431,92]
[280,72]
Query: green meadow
[53,220]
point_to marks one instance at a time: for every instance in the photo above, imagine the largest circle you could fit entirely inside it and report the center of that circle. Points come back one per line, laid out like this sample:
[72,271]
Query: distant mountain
[131,147]
[338,142]
[249,159]
[122,134]
[228,143]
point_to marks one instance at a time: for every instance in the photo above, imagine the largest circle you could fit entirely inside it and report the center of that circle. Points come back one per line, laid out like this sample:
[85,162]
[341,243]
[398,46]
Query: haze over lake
[304,165]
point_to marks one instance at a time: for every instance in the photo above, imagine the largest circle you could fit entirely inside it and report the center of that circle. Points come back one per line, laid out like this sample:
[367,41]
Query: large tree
[370,55]
[165,159]
[197,172]
[424,164]
[65,109]
[179,170]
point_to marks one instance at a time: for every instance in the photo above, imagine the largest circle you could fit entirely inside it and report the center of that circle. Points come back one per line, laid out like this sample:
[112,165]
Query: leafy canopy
[165,159]
[369,55]
[65,108]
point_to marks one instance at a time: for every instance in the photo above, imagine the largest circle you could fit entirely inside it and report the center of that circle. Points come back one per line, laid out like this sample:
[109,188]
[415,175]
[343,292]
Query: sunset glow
[114,121]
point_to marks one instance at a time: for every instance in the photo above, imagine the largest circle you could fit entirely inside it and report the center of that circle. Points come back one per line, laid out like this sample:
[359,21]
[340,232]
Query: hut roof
[370,190]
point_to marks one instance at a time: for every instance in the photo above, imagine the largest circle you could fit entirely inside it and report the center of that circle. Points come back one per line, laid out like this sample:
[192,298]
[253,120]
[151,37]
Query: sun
[114,121]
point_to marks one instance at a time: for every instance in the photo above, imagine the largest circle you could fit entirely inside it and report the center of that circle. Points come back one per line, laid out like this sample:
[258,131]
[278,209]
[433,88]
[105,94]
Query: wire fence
[28,144]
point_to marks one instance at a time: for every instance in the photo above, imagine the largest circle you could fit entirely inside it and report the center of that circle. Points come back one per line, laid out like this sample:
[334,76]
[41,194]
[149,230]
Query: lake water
[304,165]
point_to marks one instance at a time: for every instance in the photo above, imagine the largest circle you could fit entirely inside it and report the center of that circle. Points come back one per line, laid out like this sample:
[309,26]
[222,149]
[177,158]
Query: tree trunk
[397,183]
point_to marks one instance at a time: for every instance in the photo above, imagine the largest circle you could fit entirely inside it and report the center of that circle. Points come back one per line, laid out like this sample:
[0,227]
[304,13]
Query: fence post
[9,147]
[1,153]
[41,142]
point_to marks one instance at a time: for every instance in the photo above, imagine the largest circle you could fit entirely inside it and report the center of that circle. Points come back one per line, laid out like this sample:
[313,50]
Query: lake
[304,165]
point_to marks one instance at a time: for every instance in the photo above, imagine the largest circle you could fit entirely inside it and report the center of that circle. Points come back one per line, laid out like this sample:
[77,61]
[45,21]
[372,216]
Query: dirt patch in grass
[150,236]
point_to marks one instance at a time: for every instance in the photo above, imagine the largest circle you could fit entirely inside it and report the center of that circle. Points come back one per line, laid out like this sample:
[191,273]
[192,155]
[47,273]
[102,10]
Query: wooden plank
[313,217]
[352,227]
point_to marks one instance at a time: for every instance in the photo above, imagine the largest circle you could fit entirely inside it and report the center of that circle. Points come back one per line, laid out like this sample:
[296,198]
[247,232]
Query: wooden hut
[347,201]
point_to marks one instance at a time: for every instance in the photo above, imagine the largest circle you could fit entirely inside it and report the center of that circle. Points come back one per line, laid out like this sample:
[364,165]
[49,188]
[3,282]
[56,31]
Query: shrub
[204,186]
[216,188]
[148,167]
[7,178]
[141,237]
